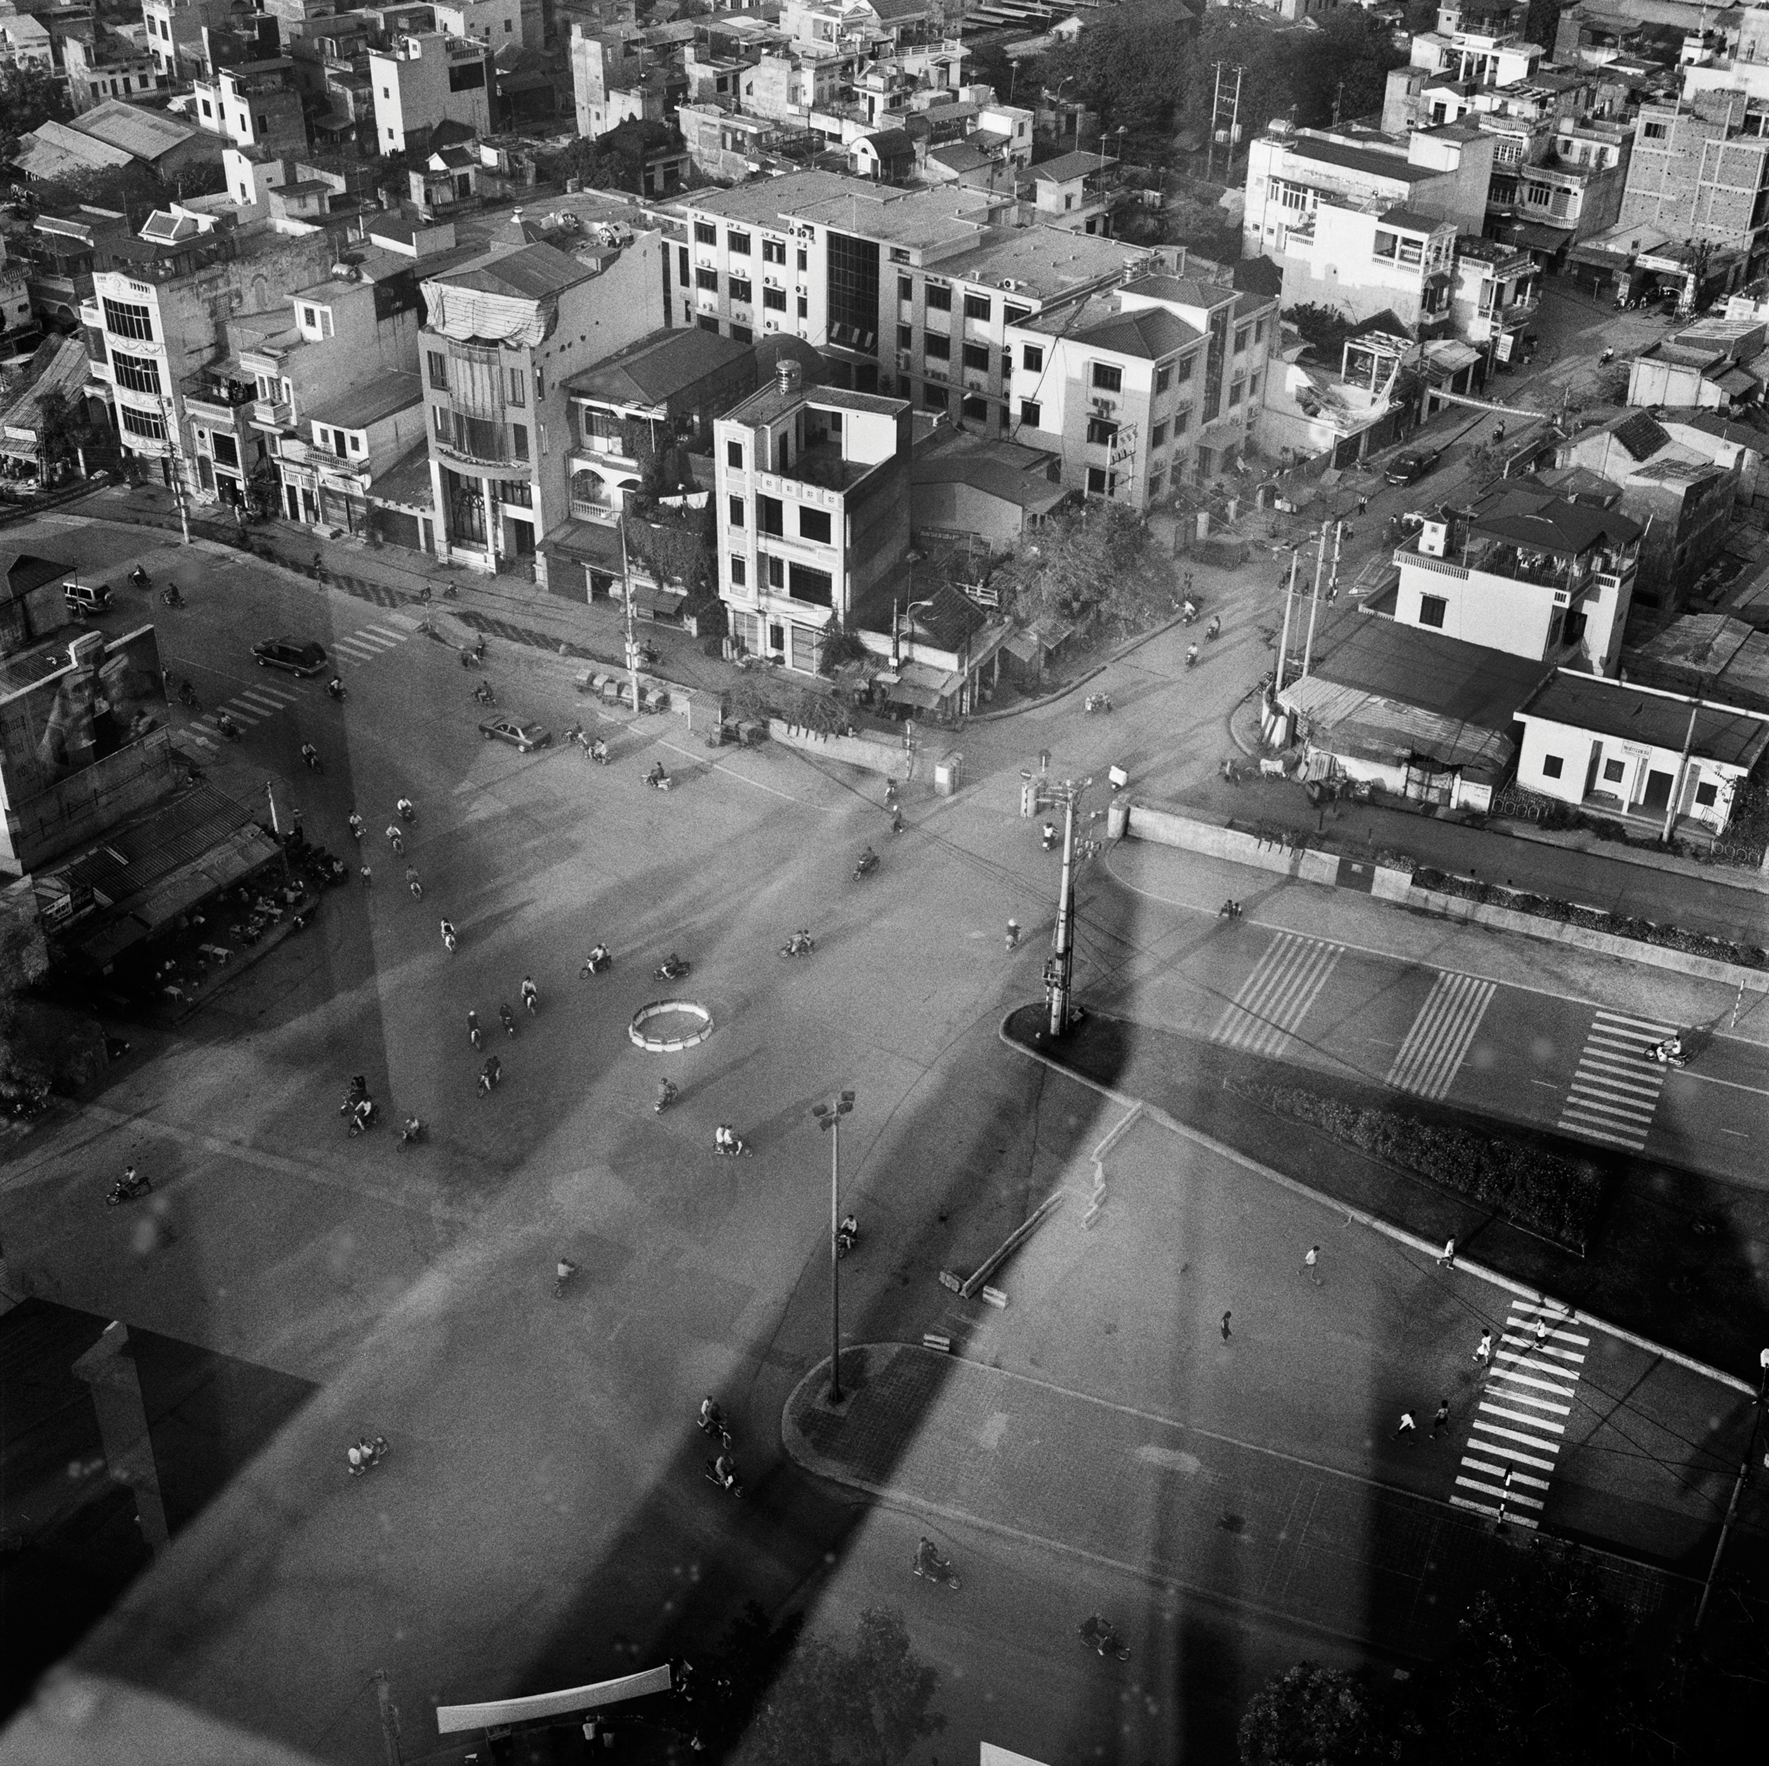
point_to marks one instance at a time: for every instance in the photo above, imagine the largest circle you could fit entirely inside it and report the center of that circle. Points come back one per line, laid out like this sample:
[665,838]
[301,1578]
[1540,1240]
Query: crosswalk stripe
[1276,996]
[1613,1094]
[258,703]
[385,632]
[1499,1490]
[1491,1509]
[1519,1416]
[240,715]
[1469,1463]
[1534,1380]
[1434,1048]
[1517,1435]
[1511,1397]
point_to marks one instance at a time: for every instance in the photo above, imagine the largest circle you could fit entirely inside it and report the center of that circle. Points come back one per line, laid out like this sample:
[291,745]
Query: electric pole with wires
[1059,968]
[1224,105]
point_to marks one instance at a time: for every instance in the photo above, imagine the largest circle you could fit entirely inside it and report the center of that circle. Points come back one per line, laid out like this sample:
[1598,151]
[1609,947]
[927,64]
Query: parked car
[290,653]
[85,597]
[1411,464]
[519,735]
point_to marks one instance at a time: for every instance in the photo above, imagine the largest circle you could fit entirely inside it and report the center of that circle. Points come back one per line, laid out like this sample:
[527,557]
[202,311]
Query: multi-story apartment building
[155,325]
[504,337]
[496,23]
[62,253]
[101,63]
[1526,573]
[253,104]
[1154,385]
[25,42]
[1496,293]
[1442,173]
[906,291]
[812,494]
[175,33]
[427,78]
[329,463]
[1478,43]
[1700,172]
[1365,260]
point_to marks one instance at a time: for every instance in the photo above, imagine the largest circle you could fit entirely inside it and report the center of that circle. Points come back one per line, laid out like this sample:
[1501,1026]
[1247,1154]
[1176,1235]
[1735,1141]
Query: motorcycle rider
[310,755]
[411,880]
[928,1561]
[657,776]
[1214,628]
[449,934]
[599,958]
[473,1030]
[508,1019]
[868,860]
[355,821]
[490,1073]
[666,1094]
[725,1472]
[1013,935]
[847,1232]
[1048,835]
[672,966]
[799,942]
[531,995]
[598,749]
[335,687]
[725,1139]
[406,808]
[226,725]
[363,1114]
[1191,656]
[410,1130]
[359,1089]
[712,1419]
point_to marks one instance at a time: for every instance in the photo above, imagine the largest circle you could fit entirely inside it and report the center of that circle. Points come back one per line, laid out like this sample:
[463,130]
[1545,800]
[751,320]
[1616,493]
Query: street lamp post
[828,1115]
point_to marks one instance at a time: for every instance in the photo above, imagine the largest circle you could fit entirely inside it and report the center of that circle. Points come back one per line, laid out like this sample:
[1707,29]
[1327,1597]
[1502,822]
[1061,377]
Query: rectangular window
[1182,421]
[1432,609]
[517,394]
[1705,795]
[742,334]
[770,515]
[740,290]
[1242,338]
[1032,358]
[1163,377]
[934,397]
[774,252]
[1259,331]
[737,242]
[739,570]
[146,424]
[1101,483]
[682,263]
[136,373]
[1107,378]
[1612,772]
[707,279]
[1158,435]
[938,348]
[734,511]
[707,322]
[939,300]
[1552,766]
[1387,245]
[1655,131]
[1031,413]
[976,355]
[1236,392]
[978,306]
[815,586]
[905,337]
[1100,433]
[1157,481]
[1012,315]
[776,573]
[804,306]
[1183,369]
[814,525]
[906,288]
[519,440]
[705,233]
[774,299]
[127,320]
[734,455]
[899,254]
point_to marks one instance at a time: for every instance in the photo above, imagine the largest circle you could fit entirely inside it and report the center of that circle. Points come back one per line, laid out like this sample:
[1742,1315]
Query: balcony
[273,413]
[217,400]
[483,463]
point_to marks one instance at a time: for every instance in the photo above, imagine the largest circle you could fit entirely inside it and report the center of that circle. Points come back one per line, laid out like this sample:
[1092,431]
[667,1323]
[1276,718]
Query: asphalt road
[542,1518]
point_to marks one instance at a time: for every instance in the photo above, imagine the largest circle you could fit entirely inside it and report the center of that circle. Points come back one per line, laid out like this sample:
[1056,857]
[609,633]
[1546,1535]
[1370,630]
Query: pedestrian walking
[1311,1264]
[1446,1258]
[1225,1318]
[1440,1418]
[1541,1329]
[1483,1350]
[1407,1425]
[368,877]
[1363,501]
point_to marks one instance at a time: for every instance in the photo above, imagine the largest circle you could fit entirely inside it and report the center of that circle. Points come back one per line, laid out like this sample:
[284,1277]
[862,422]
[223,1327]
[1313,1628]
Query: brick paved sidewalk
[1123,1488]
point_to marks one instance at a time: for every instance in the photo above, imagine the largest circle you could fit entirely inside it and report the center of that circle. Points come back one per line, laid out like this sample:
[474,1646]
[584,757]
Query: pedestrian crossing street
[1272,1002]
[269,696]
[1517,1432]
[1434,1048]
[1614,1089]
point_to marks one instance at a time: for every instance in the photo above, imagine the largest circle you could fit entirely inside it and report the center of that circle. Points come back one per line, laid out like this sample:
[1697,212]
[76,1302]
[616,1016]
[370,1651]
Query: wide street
[542,1519]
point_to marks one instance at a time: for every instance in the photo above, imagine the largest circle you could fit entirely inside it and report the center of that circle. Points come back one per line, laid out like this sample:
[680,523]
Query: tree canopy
[29,95]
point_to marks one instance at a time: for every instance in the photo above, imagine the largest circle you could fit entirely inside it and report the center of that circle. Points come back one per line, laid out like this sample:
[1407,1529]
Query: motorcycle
[867,865]
[490,1074]
[407,810]
[1049,838]
[712,1422]
[598,960]
[365,1455]
[416,886]
[475,1035]
[1190,615]
[187,697]
[469,659]
[314,763]
[1101,1636]
[126,1189]
[666,1095]
[1012,939]
[931,1567]
[409,1131]
[1230,910]
[672,968]
[726,1480]
[734,1148]
[658,779]
[847,1235]
[363,1117]
[169,596]
[142,580]
[336,690]
[1213,630]
[531,999]
[356,1095]
[1097,704]
[1669,1053]
[508,1018]
[449,936]
[1191,657]
[563,1271]
[598,752]
[801,944]
[575,736]
[483,695]
[227,726]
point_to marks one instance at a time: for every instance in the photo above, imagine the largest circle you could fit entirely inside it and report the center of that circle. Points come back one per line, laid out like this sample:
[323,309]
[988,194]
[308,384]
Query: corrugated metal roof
[1631,714]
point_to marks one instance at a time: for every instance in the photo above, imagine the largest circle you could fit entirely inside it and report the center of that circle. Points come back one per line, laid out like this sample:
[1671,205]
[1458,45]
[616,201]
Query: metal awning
[919,685]
[14,449]
[1449,356]
[1539,238]
[586,542]
[651,599]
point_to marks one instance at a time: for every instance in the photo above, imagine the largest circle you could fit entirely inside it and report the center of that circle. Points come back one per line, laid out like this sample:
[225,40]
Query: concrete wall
[889,759]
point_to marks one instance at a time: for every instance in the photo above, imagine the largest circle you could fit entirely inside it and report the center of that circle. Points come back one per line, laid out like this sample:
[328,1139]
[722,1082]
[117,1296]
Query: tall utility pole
[828,1115]
[169,423]
[626,582]
[1314,605]
[1059,971]
[1284,644]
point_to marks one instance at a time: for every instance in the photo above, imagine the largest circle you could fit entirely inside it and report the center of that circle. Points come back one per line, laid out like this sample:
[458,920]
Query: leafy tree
[1131,64]
[1344,64]
[1314,1716]
[1100,559]
[1324,329]
[264,491]
[859,1706]
[29,96]
[61,427]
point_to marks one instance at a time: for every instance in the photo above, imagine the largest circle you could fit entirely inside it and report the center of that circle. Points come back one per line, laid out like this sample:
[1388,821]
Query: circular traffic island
[666,1027]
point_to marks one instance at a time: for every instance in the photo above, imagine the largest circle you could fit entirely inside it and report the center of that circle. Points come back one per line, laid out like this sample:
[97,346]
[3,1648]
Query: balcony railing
[273,413]
[451,451]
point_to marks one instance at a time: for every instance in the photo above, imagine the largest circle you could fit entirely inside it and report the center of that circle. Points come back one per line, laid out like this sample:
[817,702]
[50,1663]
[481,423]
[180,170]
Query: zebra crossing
[1434,1049]
[1273,1000]
[1614,1091]
[367,642]
[1517,1432]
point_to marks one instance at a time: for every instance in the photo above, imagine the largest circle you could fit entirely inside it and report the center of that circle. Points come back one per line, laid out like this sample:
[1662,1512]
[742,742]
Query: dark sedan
[1412,464]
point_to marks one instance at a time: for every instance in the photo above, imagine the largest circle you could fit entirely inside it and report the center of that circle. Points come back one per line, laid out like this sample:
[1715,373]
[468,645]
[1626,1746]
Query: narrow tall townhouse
[505,334]
[425,78]
[154,328]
